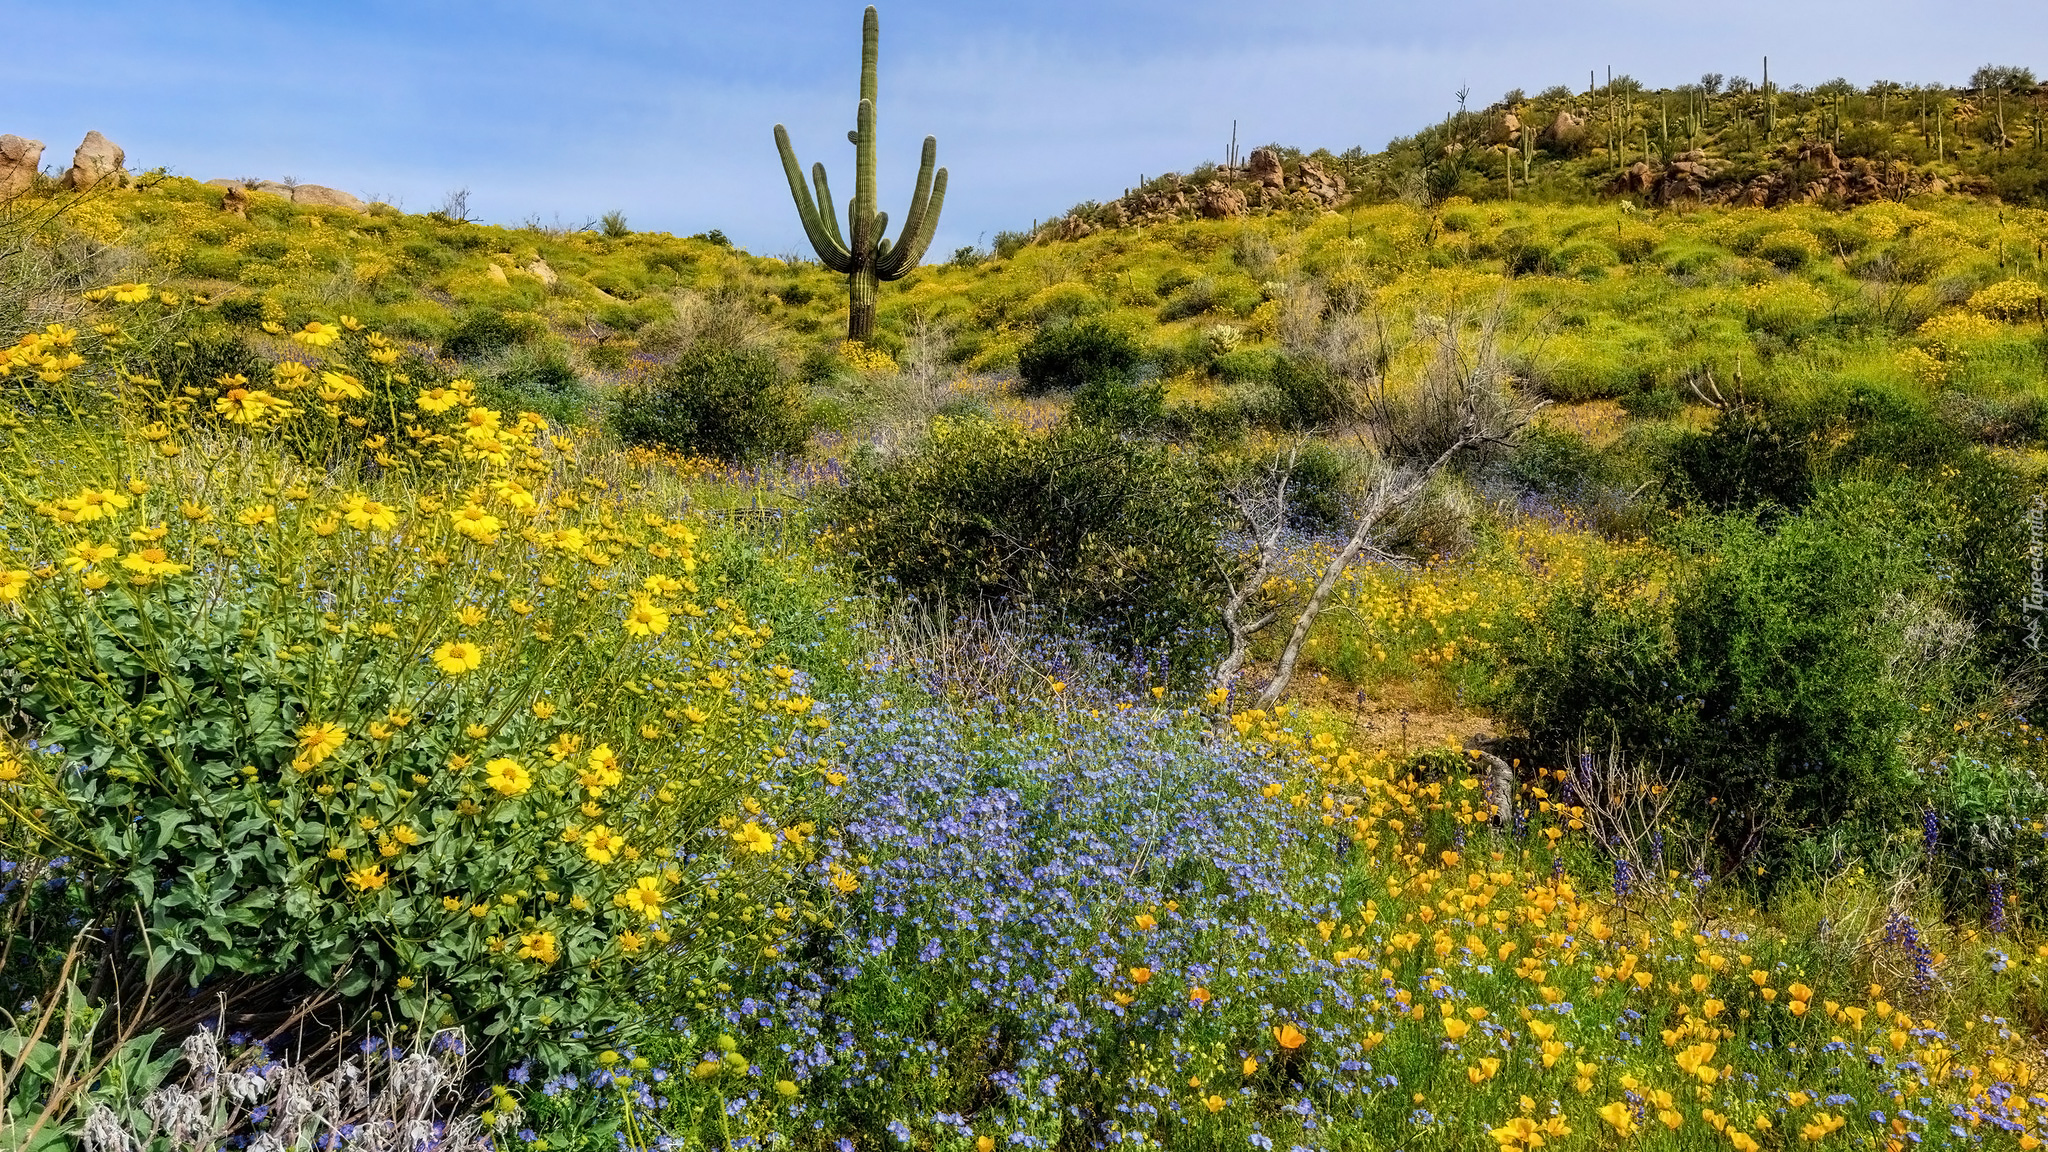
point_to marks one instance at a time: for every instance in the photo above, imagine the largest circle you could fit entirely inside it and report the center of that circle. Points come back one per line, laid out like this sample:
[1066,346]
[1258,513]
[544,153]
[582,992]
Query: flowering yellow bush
[866,359]
[457,727]
[2009,300]
[1952,334]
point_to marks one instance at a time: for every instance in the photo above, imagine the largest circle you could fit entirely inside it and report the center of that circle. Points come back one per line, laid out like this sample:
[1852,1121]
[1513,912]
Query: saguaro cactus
[869,259]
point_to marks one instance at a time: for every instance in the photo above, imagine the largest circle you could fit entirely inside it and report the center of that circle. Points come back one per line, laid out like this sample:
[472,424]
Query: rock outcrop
[1326,187]
[97,160]
[1798,174]
[1265,169]
[307,195]
[20,160]
[317,196]
[1222,202]
[1565,131]
[235,201]
[1070,227]
[540,271]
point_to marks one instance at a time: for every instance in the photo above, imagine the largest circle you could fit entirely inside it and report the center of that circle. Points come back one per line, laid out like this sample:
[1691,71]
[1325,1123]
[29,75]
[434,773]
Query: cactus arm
[827,211]
[881,226]
[912,247]
[870,43]
[918,198]
[863,210]
[830,251]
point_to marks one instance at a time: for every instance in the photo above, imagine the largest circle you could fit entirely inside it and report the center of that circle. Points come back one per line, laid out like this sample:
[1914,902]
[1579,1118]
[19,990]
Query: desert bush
[440,734]
[1099,533]
[1124,405]
[537,380]
[1747,460]
[482,331]
[731,403]
[1240,365]
[1655,403]
[1299,393]
[1067,356]
[1790,248]
[1556,462]
[1762,674]
[200,356]
[1196,298]
[1316,488]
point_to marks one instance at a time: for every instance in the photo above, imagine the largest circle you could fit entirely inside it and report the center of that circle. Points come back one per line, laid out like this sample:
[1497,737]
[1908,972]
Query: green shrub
[1789,249]
[1659,403]
[1246,365]
[1746,461]
[1198,297]
[1307,394]
[537,381]
[1114,537]
[198,358]
[482,331]
[1556,462]
[730,403]
[1066,356]
[1121,404]
[1763,676]
[1316,486]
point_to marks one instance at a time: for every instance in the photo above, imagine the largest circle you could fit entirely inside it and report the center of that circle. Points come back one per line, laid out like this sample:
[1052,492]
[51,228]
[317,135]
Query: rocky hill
[1715,142]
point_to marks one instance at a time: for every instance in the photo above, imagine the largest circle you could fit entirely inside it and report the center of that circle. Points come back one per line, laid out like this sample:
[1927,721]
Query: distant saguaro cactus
[870,258]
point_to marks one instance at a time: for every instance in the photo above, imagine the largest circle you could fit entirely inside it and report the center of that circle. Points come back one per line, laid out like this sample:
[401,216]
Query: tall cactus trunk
[860,302]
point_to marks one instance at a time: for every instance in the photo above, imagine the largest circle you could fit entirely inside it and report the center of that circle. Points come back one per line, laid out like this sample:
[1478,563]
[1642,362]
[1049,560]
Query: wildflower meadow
[1402,669]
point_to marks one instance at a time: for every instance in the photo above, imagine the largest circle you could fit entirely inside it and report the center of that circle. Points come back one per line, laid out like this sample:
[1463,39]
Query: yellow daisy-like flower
[85,554]
[643,897]
[631,942]
[507,776]
[367,878]
[317,335]
[438,399]
[602,844]
[13,582]
[517,495]
[131,293]
[91,504]
[319,741]
[477,524]
[151,564]
[646,618]
[263,515]
[603,772]
[458,657]
[250,406]
[362,513]
[339,386]
[844,880]
[755,838]
[538,946]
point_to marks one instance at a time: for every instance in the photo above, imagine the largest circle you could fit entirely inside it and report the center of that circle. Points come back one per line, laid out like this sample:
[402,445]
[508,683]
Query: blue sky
[664,110]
